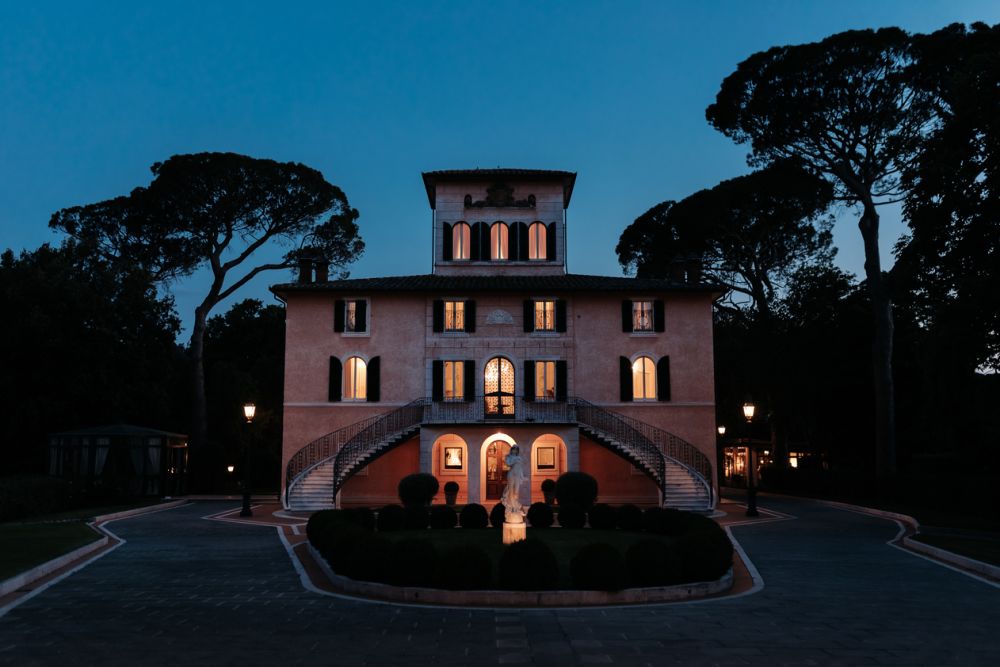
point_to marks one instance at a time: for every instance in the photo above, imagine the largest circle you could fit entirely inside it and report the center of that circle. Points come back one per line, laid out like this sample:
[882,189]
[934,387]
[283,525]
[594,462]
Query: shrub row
[30,495]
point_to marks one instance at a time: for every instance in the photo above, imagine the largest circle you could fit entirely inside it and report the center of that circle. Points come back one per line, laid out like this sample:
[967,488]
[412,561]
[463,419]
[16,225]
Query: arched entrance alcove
[450,463]
[492,468]
[548,461]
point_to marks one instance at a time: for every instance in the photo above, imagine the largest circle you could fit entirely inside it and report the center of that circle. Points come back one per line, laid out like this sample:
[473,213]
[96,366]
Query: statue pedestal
[513,532]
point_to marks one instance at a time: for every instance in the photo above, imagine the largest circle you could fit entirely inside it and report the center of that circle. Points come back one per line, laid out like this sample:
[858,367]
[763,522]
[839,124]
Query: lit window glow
[642,316]
[643,379]
[537,241]
[454,380]
[498,241]
[454,316]
[545,380]
[461,240]
[545,316]
[356,379]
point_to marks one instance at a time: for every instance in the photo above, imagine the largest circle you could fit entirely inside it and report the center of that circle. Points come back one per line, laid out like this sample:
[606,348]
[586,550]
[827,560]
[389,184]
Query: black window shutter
[529,315]
[374,388]
[437,380]
[338,315]
[361,315]
[560,315]
[658,323]
[438,315]
[529,380]
[663,379]
[474,240]
[469,386]
[522,241]
[484,241]
[513,247]
[561,380]
[446,241]
[627,316]
[333,394]
[470,316]
[625,368]
[550,242]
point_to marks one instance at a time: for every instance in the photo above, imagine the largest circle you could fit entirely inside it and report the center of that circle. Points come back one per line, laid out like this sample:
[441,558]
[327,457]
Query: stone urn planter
[450,493]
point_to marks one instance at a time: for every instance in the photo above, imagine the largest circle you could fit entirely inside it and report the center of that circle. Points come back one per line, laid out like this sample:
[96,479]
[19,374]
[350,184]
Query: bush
[540,515]
[652,519]
[576,488]
[528,565]
[572,516]
[450,488]
[598,567]
[336,541]
[417,517]
[413,562]
[629,517]
[391,517]
[473,516]
[417,489]
[443,516]
[673,522]
[602,517]
[465,567]
[548,489]
[706,553]
[30,495]
[497,515]
[369,559]
[653,562]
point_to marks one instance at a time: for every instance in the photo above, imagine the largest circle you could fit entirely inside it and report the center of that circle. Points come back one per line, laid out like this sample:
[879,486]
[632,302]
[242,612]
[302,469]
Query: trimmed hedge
[576,488]
[497,515]
[369,559]
[706,554]
[417,517]
[30,495]
[391,517]
[465,567]
[417,489]
[598,567]
[540,515]
[528,565]
[443,516]
[653,562]
[473,516]
[602,517]
[629,517]
[414,562]
[572,516]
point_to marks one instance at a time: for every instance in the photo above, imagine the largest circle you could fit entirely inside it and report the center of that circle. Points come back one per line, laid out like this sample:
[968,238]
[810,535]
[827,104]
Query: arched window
[498,241]
[498,387]
[461,243]
[643,379]
[536,241]
[355,379]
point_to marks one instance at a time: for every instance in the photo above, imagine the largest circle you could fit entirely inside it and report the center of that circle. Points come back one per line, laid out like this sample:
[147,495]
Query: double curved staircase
[319,470]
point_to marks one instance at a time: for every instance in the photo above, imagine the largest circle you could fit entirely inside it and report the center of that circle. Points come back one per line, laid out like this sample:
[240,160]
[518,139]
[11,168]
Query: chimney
[322,271]
[305,270]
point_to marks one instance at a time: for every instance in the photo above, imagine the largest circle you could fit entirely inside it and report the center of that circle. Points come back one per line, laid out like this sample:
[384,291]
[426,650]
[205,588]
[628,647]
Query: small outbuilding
[121,459]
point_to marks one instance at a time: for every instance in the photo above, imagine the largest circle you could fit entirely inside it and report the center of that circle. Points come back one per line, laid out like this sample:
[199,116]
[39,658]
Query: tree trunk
[885,419]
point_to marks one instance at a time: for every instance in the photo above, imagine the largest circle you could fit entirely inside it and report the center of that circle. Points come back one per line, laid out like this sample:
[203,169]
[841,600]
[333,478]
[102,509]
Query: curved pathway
[185,591]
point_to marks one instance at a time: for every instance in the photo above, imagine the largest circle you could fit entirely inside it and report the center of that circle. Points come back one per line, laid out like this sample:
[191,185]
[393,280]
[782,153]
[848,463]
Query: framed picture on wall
[452,458]
[546,458]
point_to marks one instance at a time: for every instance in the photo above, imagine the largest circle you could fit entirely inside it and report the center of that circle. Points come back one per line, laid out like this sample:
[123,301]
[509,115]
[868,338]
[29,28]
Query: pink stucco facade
[402,329]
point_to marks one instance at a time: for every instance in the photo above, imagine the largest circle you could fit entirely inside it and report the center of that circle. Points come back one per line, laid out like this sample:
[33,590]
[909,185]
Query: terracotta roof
[432,178]
[571,282]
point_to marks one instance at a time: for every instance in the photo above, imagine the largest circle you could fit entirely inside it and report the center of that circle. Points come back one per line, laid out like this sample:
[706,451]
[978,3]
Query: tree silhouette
[216,210]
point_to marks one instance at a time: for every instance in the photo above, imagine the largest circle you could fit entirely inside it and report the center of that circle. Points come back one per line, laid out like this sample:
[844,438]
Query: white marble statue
[516,476]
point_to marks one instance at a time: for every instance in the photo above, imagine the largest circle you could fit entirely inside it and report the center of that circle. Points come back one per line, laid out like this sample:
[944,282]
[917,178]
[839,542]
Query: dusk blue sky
[374,93]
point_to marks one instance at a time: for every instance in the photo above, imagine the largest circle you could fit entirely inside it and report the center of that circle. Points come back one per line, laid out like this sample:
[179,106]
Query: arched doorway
[496,469]
[498,388]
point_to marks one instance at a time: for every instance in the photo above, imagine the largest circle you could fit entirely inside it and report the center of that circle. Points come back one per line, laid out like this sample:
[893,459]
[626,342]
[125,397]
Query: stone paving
[186,591]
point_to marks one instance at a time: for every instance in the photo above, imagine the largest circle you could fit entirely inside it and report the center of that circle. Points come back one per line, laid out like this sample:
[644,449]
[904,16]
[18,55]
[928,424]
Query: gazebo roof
[113,430]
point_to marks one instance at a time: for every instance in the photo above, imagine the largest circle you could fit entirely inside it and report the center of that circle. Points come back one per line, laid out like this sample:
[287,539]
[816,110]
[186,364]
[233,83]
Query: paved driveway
[185,591]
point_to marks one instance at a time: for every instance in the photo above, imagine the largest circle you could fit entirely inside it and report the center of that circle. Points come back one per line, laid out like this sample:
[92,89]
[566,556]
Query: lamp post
[249,410]
[748,412]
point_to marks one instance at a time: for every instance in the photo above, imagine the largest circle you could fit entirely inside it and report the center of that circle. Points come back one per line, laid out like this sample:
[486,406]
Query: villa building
[499,345]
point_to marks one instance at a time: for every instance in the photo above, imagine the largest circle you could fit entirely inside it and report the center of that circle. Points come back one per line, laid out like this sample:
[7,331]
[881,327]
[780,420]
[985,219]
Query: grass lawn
[25,545]
[985,550]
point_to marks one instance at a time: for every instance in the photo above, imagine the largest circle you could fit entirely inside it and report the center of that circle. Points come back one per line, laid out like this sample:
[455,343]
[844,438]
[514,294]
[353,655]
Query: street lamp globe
[748,410]
[249,410]
[721,429]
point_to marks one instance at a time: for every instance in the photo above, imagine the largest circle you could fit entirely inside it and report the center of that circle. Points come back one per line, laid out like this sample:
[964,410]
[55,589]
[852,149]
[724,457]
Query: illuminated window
[498,241]
[454,316]
[461,241]
[351,316]
[498,387]
[356,380]
[642,316]
[643,379]
[454,380]
[537,241]
[545,316]
[545,380]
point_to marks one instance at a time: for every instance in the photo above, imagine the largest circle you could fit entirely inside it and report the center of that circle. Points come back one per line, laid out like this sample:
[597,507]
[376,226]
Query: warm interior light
[721,429]
[748,410]
[249,410]
[230,469]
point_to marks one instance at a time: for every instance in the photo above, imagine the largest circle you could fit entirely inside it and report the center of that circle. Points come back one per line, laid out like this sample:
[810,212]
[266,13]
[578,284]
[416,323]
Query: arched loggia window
[498,387]
[537,243]
[461,241]
[499,248]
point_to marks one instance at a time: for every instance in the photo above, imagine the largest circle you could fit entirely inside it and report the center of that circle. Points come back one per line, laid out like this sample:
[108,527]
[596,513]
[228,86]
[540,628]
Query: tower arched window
[537,243]
[355,379]
[461,235]
[643,379]
[498,387]
[499,248]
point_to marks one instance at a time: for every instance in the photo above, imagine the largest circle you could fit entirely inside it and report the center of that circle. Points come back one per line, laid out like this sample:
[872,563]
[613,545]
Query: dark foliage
[528,565]
[27,495]
[497,515]
[572,516]
[671,522]
[652,519]
[443,516]
[465,567]
[336,541]
[576,488]
[414,561]
[540,515]
[706,554]
[361,518]
[598,567]
[418,488]
[602,517]
[369,559]
[629,517]
[391,517]
[473,516]
[548,488]
[654,562]
[416,517]
[451,488]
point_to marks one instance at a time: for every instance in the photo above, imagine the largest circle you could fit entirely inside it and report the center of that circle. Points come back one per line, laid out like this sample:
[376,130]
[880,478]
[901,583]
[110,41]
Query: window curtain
[101,453]
[153,473]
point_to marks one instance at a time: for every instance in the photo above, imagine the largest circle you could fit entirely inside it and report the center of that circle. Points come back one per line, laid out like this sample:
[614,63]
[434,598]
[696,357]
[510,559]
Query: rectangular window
[454,316]
[642,316]
[351,316]
[545,380]
[545,316]
[454,380]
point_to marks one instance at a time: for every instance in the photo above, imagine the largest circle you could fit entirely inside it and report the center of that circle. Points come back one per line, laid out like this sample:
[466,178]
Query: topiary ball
[598,567]
[629,518]
[451,487]
[572,516]
[652,520]
[528,565]
[497,515]
[653,562]
[473,516]
[417,517]
[540,515]
[706,554]
[414,562]
[391,517]
[369,559]
[443,516]
[417,489]
[465,567]
[602,517]
[576,488]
